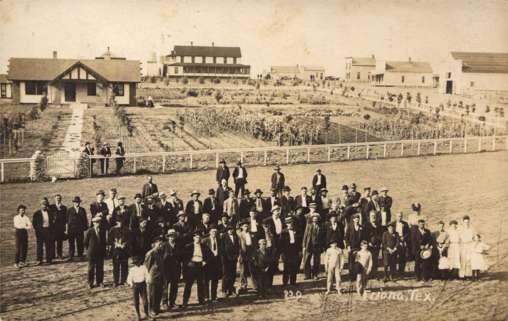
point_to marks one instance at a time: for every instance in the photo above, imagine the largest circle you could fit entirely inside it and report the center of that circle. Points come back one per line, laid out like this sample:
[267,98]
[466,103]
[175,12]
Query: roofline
[87,68]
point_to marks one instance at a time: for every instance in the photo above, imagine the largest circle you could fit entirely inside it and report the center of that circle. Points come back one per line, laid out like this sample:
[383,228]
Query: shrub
[201,80]
[192,93]
[185,80]
[216,80]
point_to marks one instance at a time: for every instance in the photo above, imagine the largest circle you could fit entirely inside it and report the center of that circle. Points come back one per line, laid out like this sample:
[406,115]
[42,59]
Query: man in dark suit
[210,205]
[99,206]
[166,211]
[60,212]
[194,209]
[119,242]
[260,204]
[385,202]
[404,232]
[230,251]
[240,179]
[245,205]
[105,152]
[334,230]
[303,200]
[247,248]
[204,226]
[262,260]
[374,235]
[390,247]
[95,244]
[290,248]
[149,188]
[222,195]
[77,224]
[318,180]
[89,151]
[287,202]
[354,237]
[355,195]
[312,246]
[183,229]
[172,268]
[365,205]
[195,255]
[421,240]
[278,181]
[213,268]
[136,210]
[43,222]
[154,262]
[273,200]
[121,213]
[222,172]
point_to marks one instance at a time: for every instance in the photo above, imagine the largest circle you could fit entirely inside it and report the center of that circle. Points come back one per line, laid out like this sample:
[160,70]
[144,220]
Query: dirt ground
[447,186]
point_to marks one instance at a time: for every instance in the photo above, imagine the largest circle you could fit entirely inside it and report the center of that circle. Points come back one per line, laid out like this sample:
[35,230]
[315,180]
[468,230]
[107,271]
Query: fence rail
[169,162]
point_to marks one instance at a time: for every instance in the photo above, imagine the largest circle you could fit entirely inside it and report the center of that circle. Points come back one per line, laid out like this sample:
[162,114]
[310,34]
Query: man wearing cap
[303,200]
[60,212]
[318,180]
[210,206]
[149,188]
[247,247]
[166,211]
[230,251]
[195,257]
[194,208]
[183,229]
[118,240]
[213,268]
[355,234]
[260,204]
[422,240]
[100,207]
[222,194]
[154,262]
[334,230]
[43,222]
[385,202]
[240,179]
[287,202]
[245,204]
[343,203]
[290,245]
[222,172]
[278,181]
[312,247]
[95,244]
[172,268]
[77,224]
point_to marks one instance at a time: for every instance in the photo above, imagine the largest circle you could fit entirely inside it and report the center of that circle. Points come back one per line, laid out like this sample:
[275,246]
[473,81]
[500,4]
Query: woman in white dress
[453,248]
[478,261]
[466,233]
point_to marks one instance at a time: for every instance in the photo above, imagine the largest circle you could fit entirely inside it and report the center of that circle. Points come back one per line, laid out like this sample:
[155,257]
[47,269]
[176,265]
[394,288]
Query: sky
[285,32]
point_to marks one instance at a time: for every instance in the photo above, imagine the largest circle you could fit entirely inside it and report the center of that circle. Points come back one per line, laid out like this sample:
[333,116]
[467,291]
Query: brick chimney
[55,54]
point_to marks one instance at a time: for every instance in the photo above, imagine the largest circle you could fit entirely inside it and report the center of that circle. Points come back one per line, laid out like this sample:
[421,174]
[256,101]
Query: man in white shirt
[291,248]
[194,261]
[213,267]
[240,178]
[43,221]
[247,248]
[21,224]
[112,201]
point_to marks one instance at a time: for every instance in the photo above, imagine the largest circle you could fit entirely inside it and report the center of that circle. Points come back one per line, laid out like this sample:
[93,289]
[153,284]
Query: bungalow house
[65,81]
[5,87]
[302,72]
[403,74]
[360,69]
[467,72]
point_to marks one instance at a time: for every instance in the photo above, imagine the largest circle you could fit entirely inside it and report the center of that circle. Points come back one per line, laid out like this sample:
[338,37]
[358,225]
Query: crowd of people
[282,130]
[232,230]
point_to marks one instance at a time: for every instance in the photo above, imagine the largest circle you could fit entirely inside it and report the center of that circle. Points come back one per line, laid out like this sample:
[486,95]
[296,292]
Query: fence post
[384,150]
[401,149]
[241,157]
[435,147]
[190,161]
[135,161]
[287,155]
[308,154]
[451,145]
[2,170]
[265,157]
[163,163]
[349,152]
[480,144]
[418,148]
[367,151]
[90,167]
[494,142]
[465,145]
[329,153]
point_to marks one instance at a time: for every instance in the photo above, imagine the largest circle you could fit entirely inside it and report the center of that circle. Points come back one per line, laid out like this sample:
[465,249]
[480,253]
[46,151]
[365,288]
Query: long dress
[454,248]
[466,248]
[478,261]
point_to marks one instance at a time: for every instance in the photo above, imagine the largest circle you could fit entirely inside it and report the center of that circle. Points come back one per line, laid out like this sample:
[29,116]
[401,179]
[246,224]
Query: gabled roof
[482,62]
[3,79]
[48,69]
[363,61]
[408,66]
[207,51]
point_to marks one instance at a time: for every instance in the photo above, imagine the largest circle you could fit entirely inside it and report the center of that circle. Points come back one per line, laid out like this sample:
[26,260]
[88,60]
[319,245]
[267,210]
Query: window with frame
[3,90]
[176,70]
[471,84]
[91,89]
[423,79]
[118,89]
[358,75]
[402,79]
[35,87]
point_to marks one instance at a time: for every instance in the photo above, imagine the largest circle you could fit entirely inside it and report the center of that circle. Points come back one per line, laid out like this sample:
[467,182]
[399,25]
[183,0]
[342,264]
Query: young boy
[363,267]
[137,278]
[334,261]
[22,224]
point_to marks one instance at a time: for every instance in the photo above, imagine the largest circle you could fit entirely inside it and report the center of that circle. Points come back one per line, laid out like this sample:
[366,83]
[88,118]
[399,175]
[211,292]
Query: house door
[449,87]
[70,92]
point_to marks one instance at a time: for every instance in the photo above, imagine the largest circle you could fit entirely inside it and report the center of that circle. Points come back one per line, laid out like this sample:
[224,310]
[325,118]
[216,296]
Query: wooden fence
[170,162]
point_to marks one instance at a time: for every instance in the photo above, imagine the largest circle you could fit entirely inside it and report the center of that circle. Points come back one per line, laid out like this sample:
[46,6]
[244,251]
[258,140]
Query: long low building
[65,81]
[204,61]
[302,72]
[403,74]
[469,72]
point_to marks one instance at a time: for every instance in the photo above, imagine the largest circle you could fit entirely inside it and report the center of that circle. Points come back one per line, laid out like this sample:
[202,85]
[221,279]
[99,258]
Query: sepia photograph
[269,160]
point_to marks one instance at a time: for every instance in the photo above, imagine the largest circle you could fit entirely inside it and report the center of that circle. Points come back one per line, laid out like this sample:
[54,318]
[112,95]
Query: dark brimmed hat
[353,185]
[213,226]
[344,188]
[222,161]
[138,195]
[286,189]
[266,221]
[454,222]
[258,191]
[289,219]
[137,260]
[383,189]
[76,199]
[211,191]
[239,163]
[100,192]
[230,227]
[157,238]
[416,207]
[275,208]
[374,192]
[21,206]
[244,221]
[421,220]
[466,217]
[332,214]
[194,192]
[246,192]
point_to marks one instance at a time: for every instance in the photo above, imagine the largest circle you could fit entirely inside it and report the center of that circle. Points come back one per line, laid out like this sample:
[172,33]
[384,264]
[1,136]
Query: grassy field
[447,186]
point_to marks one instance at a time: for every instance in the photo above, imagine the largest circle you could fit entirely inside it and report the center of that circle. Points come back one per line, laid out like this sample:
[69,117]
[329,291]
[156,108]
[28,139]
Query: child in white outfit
[479,251]
[334,261]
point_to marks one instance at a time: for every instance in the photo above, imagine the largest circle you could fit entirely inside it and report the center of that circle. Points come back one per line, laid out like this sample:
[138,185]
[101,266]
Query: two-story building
[204,61]
[65,81]
[302,72]
[468,72]
[360,69]
[403,74]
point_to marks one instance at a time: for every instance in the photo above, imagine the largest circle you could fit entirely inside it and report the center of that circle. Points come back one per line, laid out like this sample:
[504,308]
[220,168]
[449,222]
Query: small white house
[360,69]
[302,72]
[403,74]
[467,72]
